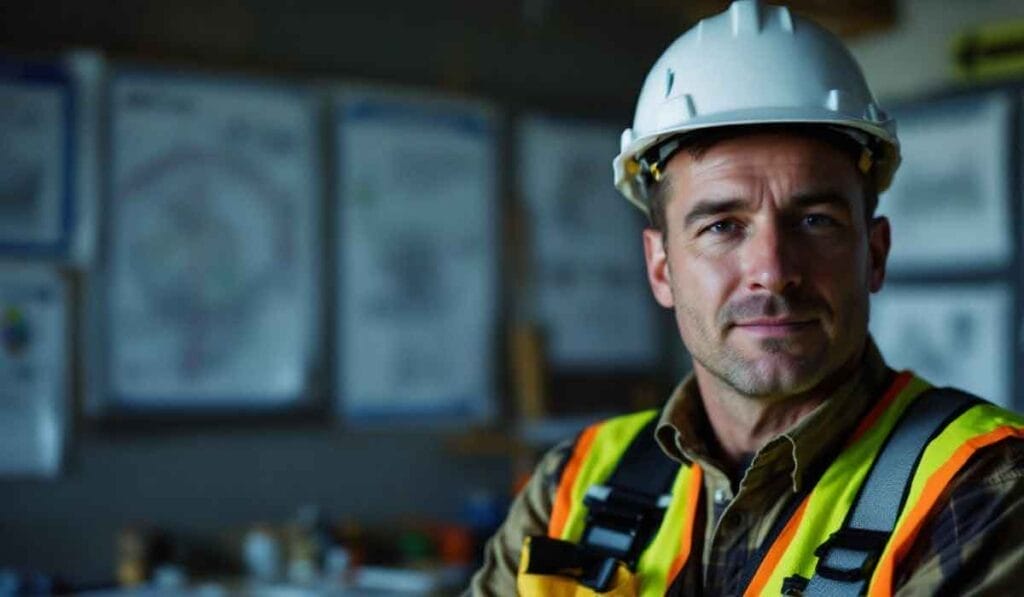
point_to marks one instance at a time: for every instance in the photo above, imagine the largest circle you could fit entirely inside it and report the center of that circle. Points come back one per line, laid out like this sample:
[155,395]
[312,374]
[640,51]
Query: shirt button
[721,496]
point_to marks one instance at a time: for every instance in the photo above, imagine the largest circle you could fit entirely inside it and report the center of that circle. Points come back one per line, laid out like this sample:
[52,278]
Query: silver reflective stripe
[879,501]
[609,539]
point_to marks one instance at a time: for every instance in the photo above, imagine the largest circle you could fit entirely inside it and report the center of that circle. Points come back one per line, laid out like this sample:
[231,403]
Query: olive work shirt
[973,544]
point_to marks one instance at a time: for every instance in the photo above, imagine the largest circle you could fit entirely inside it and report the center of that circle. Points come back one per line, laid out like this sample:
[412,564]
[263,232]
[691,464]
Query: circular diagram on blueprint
[202,246]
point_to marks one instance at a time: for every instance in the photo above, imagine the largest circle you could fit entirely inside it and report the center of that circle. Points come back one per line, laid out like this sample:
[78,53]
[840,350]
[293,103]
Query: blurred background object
[292,295]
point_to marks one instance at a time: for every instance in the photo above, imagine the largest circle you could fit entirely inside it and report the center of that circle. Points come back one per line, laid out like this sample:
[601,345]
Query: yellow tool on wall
[990,52]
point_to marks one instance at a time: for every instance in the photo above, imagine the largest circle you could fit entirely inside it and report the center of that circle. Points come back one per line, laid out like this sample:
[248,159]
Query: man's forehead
[763,155]
[743,171]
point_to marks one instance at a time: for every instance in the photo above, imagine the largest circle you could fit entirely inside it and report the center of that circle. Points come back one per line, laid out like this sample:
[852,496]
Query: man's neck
[743,424]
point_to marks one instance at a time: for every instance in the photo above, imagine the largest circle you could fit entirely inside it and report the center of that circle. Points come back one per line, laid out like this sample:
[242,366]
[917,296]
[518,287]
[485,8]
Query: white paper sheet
[587,254]
[417,258]
[33,371]
[949,203]
[213,253]
[35,160]
[951,335]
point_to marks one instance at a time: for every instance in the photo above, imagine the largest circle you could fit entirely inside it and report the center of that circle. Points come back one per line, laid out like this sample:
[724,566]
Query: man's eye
[722,227]
[819,220]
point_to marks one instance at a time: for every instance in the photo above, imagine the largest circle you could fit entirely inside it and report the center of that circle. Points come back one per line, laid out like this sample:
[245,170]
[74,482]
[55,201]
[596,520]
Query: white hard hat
[751,65]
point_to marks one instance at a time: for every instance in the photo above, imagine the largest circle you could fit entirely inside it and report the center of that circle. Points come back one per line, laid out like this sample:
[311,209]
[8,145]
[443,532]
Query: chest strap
[623,516]
[847,559]
[625,511]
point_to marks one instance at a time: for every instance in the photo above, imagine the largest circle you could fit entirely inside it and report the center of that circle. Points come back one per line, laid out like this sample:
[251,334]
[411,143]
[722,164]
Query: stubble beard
[778,373]
[780,368]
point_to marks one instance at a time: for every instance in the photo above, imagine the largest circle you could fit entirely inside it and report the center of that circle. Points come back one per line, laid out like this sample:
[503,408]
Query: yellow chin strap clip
[866,161]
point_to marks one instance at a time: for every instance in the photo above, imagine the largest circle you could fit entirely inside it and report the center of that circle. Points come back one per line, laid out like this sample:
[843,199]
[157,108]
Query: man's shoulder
[960,539]
[630,421]
[618,429]
[988,409]
[999,463]
[995,435]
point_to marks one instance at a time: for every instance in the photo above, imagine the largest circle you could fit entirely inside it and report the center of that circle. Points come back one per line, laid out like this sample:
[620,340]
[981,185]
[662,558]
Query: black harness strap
[847,559]
[624,512]
[644,468]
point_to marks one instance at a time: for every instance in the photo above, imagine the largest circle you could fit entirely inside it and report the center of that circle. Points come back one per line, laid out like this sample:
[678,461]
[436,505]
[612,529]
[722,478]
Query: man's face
[768,261]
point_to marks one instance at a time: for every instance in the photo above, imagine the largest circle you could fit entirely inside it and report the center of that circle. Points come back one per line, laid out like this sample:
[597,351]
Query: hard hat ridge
[749,16]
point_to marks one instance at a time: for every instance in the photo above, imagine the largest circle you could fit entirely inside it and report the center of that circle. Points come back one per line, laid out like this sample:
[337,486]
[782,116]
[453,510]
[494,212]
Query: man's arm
[528,515]
[974,544]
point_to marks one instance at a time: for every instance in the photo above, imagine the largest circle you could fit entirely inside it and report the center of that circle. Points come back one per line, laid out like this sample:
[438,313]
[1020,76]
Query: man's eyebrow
[706,208]
[711,207]
[822,198]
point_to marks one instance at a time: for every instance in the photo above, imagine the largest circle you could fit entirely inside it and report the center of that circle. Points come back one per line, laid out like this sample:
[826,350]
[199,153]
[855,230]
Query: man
[795,460]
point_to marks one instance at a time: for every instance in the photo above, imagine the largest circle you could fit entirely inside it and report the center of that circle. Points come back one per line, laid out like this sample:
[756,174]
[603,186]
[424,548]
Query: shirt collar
[684,432]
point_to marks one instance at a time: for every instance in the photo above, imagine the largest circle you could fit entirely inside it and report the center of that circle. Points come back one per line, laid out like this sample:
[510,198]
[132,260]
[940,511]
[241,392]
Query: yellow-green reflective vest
[823,510]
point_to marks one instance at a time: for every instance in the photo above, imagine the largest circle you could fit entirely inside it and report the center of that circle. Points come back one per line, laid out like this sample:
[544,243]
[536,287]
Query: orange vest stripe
[686,543]
[906,534]
[563,498]
[771,559]
[897,386]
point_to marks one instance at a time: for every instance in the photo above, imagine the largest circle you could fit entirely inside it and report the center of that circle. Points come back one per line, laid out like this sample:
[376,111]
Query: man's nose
[769,260]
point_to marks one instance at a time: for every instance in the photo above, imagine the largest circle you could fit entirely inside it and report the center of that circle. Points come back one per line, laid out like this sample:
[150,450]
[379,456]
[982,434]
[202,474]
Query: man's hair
[701,141]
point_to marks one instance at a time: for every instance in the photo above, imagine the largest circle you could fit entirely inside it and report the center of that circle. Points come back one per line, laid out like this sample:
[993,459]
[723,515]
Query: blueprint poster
[36,149]
[213,243]
[417,258]
[953,335]
[587,268]
[949,202]
[33,371]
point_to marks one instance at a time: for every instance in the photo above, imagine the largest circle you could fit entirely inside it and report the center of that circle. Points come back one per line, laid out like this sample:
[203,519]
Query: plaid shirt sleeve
[528,515]
[972,545]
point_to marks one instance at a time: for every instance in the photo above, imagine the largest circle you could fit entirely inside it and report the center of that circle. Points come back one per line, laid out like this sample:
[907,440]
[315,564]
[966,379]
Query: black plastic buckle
[868,542]
[621,522]
[550,556]
[598,575]
[794,586]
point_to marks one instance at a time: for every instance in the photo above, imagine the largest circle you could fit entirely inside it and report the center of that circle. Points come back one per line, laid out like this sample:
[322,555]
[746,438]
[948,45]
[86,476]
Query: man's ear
[878,246]
[658,274]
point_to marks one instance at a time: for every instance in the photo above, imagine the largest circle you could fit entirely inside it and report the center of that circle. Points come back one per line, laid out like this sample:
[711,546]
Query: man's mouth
[776,326]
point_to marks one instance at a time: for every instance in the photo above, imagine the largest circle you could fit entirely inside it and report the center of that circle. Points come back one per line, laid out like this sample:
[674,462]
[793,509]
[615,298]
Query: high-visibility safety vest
[821,513]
